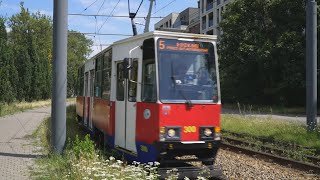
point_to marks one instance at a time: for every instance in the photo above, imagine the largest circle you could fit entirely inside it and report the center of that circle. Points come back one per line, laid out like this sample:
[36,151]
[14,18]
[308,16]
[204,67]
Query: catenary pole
[311,68]
[146,27]
[59,75]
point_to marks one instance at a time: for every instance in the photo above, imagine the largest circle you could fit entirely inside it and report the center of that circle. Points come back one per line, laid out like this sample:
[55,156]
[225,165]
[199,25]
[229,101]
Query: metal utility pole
[311,70]
[146,27]
[59,75]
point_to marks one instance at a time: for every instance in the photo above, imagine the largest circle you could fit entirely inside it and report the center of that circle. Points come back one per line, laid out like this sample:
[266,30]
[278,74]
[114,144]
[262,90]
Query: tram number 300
[189,129]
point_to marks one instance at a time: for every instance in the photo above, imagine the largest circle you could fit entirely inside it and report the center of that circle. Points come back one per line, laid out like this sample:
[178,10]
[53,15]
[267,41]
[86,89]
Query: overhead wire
[101,6]
[164,7]
[89,5]
[109,15]
[97,22]
[104,34]
[112,16]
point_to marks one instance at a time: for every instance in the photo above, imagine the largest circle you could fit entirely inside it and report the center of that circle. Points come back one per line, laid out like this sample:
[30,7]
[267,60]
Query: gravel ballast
[241,166]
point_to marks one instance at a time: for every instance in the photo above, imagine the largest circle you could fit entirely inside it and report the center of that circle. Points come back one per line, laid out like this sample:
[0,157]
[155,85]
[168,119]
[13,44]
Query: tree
[20,43]
[42,41]
[27,56]
[31,42]
[262,52]
[7,93]
[78,51]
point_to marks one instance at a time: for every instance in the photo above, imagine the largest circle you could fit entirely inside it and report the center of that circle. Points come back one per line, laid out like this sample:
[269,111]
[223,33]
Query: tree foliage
[7,92]
[26,57]
[78,51]
[262,51]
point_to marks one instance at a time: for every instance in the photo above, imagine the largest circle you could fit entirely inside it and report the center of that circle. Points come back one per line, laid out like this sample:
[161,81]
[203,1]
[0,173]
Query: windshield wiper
[173,78]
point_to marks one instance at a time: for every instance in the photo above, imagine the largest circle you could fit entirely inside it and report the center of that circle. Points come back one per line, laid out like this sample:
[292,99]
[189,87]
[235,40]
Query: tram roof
[159,34]
[167,34]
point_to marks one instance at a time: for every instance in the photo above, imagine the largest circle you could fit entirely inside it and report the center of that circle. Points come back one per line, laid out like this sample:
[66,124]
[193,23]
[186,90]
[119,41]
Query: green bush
[83,148]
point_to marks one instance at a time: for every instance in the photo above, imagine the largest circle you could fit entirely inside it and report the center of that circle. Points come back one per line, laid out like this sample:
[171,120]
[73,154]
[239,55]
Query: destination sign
[176,45]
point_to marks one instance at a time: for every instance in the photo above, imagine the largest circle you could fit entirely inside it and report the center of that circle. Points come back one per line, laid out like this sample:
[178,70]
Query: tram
[154,97]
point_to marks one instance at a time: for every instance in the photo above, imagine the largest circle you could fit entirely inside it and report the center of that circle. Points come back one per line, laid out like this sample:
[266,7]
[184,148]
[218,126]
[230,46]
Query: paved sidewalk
[289,118]
[17,151]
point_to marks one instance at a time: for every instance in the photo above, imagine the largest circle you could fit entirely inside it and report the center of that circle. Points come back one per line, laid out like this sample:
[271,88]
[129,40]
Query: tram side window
[120,82]
[98,77]
[106,75]
[81,81]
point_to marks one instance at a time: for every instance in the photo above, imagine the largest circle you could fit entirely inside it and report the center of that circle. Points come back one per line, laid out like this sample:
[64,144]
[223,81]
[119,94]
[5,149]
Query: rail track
[271,153]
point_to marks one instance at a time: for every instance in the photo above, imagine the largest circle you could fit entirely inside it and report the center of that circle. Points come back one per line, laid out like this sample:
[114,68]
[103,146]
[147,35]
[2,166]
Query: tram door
[91,85]
[125,135]
[86,99]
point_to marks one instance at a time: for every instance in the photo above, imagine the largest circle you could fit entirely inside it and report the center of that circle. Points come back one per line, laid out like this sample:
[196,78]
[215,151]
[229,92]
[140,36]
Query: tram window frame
[120,93]
[148,55]
[98,77]
[133,81]
[81,81]
[106,75]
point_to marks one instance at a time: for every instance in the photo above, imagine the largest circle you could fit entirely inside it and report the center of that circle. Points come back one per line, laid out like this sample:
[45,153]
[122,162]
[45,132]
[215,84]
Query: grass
[7,109]
[272,129]
[43,132]
[81,159]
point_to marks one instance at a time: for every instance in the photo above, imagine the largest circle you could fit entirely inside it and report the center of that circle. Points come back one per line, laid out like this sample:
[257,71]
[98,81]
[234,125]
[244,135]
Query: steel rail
[267,140]
[304,166]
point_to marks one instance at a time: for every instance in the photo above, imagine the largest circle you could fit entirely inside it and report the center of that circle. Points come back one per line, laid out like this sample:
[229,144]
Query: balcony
[209,6]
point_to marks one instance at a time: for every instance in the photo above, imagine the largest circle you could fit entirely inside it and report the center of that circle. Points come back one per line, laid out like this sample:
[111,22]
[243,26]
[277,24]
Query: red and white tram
[154,96]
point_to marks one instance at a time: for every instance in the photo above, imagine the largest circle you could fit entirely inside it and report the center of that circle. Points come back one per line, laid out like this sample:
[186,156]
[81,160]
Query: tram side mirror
[127,67]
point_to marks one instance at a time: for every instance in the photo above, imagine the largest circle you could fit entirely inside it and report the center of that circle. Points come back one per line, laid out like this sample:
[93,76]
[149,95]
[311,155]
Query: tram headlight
[207,132]
[171,132]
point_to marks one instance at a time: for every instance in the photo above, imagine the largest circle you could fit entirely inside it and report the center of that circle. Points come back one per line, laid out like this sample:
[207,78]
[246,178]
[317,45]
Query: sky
[112,25]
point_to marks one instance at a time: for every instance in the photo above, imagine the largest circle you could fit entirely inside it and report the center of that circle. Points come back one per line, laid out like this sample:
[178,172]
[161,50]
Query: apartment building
[185,21]
[169,21]
[210,15]
[194,22]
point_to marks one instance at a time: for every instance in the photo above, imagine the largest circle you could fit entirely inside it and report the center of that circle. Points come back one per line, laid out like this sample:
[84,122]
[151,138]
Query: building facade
[167,22]
[185,21]
[210,15]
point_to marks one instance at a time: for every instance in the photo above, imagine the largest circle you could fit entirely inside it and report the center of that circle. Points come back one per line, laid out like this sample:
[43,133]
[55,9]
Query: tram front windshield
[187,71]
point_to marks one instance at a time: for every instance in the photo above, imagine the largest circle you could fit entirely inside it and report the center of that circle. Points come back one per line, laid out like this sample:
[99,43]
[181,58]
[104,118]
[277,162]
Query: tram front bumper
[204,150]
